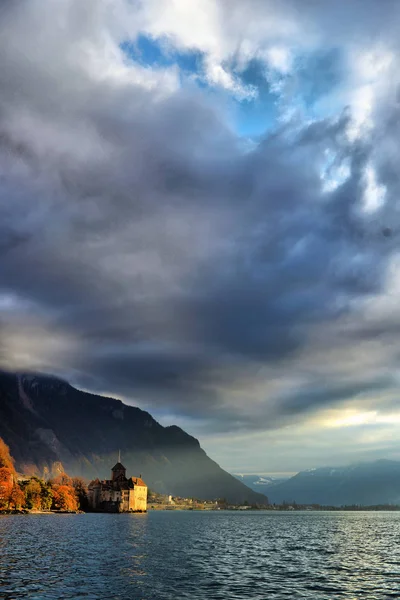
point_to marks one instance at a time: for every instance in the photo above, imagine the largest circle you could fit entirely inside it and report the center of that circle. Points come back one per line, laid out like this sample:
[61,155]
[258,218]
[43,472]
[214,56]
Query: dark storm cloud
[134,224]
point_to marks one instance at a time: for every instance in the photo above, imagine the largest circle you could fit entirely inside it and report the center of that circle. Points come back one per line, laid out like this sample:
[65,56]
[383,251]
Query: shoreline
[27,511]
[388,508]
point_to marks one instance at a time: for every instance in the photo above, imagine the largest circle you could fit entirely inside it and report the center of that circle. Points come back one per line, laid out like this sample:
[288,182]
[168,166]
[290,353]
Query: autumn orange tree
[64,498]
[6,486]
[17,497]
[6,460]
[7,475]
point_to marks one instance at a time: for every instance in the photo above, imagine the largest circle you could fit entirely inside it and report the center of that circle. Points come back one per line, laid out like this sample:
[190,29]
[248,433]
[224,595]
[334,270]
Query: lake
[201,555]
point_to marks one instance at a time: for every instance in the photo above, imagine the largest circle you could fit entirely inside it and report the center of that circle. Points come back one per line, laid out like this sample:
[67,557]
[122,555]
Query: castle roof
[118,467]
[94,482]
[138,481]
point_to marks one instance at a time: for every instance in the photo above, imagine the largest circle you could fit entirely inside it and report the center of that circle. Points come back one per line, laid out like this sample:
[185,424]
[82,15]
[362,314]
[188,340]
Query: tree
[64,498]
[6,486]
[7,475]
[17,497]
[81,491]
[46,495]
[6,461]
[33,494]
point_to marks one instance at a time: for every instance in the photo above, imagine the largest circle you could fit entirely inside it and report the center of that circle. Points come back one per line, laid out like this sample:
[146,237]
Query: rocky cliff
[45,421]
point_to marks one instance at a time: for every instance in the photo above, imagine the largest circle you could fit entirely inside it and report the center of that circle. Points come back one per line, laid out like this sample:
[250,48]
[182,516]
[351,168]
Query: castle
[118,494]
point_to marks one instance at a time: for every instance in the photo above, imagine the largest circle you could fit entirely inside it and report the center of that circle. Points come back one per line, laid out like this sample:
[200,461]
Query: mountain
[259,483]
[368,483]
[46,421]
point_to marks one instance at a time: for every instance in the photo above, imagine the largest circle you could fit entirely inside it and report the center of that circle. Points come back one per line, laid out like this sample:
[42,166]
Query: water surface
[201,555]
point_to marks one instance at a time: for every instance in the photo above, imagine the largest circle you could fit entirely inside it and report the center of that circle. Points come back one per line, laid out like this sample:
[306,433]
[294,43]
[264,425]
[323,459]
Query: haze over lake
[197,555]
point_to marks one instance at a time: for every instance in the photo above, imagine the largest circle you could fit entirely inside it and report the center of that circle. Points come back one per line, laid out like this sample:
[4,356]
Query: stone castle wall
[139,500]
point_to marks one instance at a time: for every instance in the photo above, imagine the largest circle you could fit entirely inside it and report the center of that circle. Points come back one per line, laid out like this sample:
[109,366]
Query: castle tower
[118,472]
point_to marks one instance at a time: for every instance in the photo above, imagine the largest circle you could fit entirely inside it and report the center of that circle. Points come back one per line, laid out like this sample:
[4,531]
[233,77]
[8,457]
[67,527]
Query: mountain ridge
[363,483]
[45,421]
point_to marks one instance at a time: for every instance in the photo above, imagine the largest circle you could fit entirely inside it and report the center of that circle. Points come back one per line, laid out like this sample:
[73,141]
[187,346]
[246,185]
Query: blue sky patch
[153,52]
[256,115]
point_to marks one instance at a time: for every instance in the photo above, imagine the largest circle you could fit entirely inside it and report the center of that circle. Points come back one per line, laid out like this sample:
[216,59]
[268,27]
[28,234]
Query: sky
[199,214]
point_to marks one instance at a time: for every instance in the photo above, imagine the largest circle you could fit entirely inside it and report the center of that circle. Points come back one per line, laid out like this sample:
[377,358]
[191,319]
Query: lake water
[201,555]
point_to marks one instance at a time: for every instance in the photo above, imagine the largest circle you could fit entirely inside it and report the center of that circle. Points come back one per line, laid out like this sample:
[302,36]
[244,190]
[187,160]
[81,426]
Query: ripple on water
[196,555]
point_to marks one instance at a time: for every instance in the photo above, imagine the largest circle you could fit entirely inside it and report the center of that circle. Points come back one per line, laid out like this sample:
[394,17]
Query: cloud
[148,251]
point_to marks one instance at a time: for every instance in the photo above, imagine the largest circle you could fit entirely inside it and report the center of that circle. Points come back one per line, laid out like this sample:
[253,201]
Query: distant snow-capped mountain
[365,484]
[259,483]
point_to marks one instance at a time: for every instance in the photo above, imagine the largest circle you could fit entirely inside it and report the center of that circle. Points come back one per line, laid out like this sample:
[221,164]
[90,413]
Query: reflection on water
[220,555]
